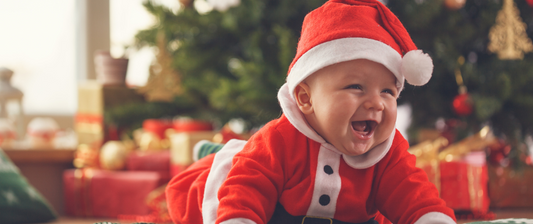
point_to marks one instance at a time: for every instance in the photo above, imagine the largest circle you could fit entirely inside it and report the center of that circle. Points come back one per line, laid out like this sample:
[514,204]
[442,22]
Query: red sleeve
[404,191]
[185,191]
[255,180]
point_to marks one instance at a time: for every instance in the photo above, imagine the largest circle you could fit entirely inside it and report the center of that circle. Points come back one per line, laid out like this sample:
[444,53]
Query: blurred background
[112,84]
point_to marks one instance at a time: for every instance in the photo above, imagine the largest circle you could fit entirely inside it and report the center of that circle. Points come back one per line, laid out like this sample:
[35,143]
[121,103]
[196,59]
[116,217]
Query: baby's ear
[303,98]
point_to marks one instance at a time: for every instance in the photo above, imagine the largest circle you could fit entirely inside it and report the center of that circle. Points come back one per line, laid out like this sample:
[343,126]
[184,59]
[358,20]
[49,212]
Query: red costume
[287,163]
[285,167]
[306,175]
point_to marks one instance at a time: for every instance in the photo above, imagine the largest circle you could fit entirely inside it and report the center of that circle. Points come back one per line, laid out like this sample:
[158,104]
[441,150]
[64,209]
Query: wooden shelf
[43,168]
[27,155]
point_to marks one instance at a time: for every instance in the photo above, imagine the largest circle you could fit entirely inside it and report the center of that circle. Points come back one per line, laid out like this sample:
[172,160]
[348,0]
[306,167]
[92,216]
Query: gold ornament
[113,155]
[454,4]
[164,82]
[508,36]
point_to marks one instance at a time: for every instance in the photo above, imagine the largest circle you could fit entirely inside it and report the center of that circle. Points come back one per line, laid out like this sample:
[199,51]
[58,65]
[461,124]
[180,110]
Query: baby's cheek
[389,122]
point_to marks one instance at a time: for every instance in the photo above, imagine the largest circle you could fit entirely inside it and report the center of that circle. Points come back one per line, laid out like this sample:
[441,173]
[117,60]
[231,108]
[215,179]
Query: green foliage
[500,89]
[131,115]
[232,63]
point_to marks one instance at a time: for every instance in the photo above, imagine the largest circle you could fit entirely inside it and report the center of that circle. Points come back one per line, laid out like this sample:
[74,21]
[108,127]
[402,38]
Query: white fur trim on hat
[345,49]
[417,67]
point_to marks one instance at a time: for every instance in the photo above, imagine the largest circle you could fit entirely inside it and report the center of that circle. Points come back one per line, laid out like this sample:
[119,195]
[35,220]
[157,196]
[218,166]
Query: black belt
[281,216]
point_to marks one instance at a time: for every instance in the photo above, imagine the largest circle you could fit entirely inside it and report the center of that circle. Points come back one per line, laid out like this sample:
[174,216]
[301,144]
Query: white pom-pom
[417,67]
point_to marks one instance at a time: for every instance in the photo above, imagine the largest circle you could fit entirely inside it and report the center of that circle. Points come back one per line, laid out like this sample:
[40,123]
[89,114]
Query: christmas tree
[232,62]
[458,39]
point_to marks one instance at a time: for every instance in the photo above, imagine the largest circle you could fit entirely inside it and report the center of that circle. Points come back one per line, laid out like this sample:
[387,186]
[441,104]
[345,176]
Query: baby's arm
[404,193]
[251,190]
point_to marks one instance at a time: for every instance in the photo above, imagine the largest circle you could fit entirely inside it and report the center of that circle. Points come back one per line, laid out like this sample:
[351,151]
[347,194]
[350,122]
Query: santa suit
[286,162]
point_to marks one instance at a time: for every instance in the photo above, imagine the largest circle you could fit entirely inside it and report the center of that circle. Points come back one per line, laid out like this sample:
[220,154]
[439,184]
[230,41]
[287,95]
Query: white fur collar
[295,116]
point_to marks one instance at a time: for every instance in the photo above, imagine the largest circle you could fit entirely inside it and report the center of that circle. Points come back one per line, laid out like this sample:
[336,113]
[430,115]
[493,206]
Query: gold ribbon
[475,142]
[474,187]
[82,192]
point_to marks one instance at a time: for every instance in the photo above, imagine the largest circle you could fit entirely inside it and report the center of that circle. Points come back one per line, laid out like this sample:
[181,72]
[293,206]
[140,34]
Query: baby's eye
[389,91]
[354,86]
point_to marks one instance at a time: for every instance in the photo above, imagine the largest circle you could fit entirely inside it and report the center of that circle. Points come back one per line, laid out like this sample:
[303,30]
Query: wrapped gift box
[511,187]
[158,161]
[103,193]
[94,99]
[464,186]
[181,148]
[459,170]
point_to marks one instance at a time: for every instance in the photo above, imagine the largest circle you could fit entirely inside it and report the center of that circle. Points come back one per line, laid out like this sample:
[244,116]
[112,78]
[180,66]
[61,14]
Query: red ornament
[530,2]
[454,4]
[462,104]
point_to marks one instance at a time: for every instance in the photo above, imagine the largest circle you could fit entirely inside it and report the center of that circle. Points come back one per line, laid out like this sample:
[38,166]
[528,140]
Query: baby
[334,156]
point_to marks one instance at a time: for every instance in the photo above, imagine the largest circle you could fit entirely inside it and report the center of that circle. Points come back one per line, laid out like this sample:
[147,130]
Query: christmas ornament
[462,103]
[508,36]
[529,2]
[42,131]
[454,4]
[164,82]
[113,155]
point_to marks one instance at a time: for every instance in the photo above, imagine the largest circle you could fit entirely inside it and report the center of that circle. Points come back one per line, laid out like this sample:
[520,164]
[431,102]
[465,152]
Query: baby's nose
[374,102]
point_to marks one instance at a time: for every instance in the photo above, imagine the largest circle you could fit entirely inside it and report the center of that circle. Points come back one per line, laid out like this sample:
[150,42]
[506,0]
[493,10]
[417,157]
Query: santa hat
[344,30]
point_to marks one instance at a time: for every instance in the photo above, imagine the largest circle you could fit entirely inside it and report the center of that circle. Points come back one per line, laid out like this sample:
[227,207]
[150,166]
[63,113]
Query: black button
[324,200]
[328,169]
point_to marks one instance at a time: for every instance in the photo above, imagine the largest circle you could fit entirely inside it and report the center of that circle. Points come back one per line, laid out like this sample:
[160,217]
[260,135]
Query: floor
[526,213]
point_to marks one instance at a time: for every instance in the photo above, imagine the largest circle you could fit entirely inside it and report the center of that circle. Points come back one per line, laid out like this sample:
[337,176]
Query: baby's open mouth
[364,127]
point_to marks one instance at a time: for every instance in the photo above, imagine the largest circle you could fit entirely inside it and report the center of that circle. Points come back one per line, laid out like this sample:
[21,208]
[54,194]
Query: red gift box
[149,161]
[157,126]
[511,187]
[464,186]
[190,125]
[103,193]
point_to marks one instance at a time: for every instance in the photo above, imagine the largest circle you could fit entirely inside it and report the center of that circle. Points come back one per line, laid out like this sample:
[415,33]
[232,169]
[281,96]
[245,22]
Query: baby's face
[353,105]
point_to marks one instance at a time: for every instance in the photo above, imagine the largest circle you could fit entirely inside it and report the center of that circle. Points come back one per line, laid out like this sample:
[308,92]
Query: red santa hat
[344,30]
